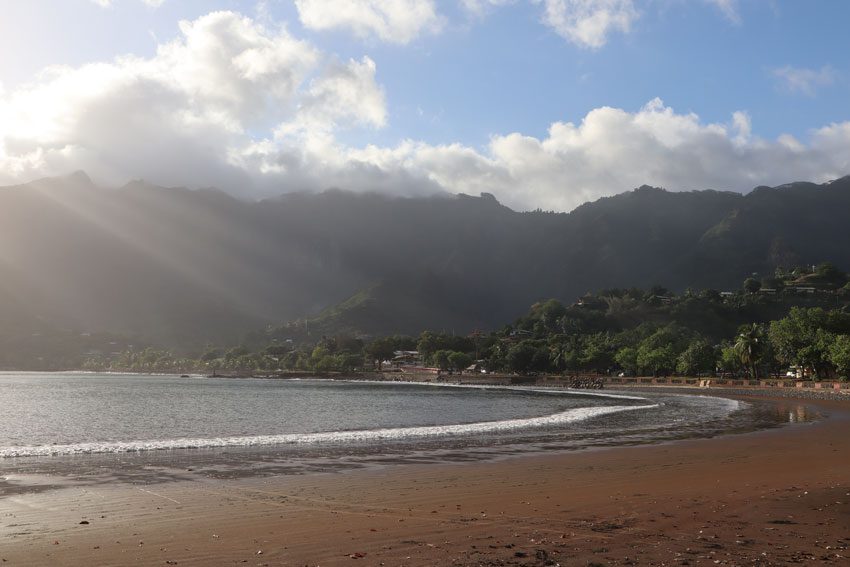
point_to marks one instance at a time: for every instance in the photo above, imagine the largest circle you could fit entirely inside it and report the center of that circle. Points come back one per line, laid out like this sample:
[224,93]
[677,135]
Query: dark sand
[774,497]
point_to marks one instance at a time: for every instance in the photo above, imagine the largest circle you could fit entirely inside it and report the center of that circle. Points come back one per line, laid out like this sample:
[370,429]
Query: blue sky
[464,99]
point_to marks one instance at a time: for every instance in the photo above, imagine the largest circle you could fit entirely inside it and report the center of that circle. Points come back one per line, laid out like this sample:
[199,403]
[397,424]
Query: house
[405,358]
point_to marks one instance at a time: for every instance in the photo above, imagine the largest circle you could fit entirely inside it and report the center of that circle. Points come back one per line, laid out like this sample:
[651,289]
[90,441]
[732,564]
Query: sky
[544,103]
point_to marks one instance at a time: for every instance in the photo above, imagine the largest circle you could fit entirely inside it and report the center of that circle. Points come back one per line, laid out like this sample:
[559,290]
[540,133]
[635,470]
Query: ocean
[94,421]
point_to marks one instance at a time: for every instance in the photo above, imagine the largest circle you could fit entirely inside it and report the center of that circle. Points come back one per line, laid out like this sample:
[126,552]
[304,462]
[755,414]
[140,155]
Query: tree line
[614,331]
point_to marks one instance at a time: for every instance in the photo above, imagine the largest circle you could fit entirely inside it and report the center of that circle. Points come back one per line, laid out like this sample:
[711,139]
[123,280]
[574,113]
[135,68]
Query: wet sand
[773,497]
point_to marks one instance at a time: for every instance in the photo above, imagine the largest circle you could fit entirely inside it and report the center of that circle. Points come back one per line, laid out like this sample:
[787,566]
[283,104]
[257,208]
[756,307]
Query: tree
[520,356]
[236,352]
[294,360]
[276,351]
[324,363]
[626,357]
[597,353]
[699,358]
[540,360]
[565,352]
[711,295]
[380,350]
[802,339]
[549,312]
[749,348]
[659,360]
[827,272]
[729,359]
[752,285]
[429,343]
[348,361]
[211,354]
[460,361]
[347,343]
[318,358]
[441,359]
[657,353]
[839,355]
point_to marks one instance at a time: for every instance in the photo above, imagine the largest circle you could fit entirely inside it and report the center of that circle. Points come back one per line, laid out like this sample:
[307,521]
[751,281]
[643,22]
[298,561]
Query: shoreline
[426,442]
[768,388]
[770,497]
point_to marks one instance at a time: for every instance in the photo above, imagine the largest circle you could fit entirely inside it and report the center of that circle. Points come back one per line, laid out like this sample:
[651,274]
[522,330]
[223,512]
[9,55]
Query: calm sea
[50,417]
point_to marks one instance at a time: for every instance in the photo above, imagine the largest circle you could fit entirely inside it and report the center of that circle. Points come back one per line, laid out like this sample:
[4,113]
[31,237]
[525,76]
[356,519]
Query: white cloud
[108,3]
[742,123]
[729,8]
[182,115]
[609,151]
[587,23]
[395,21]
[804,81]
[255,111]
[345,92]
[479,7]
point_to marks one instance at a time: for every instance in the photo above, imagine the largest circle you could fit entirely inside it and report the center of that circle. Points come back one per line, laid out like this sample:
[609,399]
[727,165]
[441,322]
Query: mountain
[180,267]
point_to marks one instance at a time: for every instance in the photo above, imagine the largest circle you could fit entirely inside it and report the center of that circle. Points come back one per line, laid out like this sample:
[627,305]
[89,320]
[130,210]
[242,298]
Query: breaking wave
[331,437]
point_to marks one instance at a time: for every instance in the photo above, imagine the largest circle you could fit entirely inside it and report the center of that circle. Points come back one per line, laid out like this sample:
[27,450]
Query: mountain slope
[180,267]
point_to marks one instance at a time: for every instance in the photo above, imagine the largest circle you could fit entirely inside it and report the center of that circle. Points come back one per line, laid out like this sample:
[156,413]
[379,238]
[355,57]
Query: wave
[331,437]
[525,389]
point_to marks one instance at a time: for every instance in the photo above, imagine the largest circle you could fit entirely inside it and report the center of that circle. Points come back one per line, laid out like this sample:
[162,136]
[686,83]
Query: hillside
[178,267]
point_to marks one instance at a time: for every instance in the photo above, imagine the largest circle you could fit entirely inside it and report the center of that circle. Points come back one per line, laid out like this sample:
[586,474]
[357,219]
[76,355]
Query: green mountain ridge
[183,268]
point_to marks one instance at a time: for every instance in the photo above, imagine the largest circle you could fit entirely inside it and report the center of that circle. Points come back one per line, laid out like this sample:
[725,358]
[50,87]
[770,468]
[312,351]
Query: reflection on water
[798,414]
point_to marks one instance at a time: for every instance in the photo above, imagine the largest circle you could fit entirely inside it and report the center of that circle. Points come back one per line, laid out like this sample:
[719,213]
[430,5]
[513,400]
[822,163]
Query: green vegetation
[758,332]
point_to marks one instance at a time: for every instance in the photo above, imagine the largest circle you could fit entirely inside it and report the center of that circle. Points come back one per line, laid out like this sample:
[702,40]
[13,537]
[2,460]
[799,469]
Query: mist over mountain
[183,268]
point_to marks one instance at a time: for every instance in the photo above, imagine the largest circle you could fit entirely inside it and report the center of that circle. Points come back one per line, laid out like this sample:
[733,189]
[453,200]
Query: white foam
[553,390]
[568,416]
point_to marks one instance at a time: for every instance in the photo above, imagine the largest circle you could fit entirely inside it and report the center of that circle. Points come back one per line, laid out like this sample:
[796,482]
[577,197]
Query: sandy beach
[773,497]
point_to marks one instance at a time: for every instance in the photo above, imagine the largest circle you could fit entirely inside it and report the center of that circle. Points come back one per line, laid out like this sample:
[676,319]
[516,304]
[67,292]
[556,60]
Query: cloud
[804,81]
[345,92]
[108,3]
[611,150]
[743,125]
[480,7]
[394,21]
[587,23]
[257,112]
[729,8]
[184,115]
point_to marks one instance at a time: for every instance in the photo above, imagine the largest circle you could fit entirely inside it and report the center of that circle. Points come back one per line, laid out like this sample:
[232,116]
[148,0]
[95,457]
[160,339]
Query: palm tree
[748,347]
[558,354]
[563,352]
